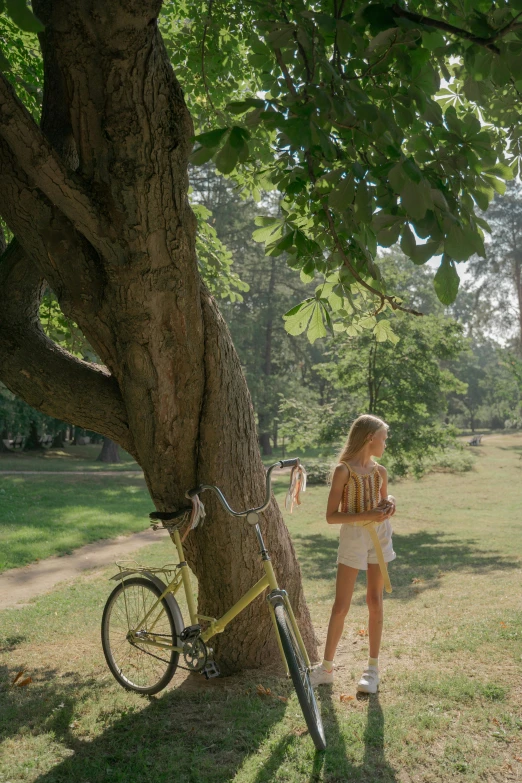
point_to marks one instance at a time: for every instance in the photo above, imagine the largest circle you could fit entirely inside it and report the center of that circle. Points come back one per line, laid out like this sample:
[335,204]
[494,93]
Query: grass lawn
[47,515]
[449,706]
[70,458]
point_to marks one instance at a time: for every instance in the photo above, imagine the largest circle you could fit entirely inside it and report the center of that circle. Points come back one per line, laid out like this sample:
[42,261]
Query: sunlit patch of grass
[48,515]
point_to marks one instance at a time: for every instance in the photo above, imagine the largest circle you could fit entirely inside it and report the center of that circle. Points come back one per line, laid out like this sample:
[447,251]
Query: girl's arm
[384,489]
[336,517]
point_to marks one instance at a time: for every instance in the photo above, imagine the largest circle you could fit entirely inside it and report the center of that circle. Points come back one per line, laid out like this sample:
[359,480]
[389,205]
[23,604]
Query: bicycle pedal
[190,632]
[211,670]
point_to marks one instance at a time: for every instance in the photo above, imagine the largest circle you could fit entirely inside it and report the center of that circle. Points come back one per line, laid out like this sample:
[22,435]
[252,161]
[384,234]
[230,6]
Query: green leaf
[383,332]
[363,203]
[408,244]
[240,107]
[211,138]
[297,319]
[383,39]
[269,227]
[202,155]
[23,17]
[226,159]
[345,37]
[423,253]
[282,36]
[416,199]
[342,195]
[460,242]
[316,328]
[500,170]
[446,281]
[389,236]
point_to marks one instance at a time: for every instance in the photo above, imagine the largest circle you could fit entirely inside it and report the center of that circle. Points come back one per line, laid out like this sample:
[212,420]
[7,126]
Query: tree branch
[51,242]
[339,247]
[44,167]
[439,24]
[43,374]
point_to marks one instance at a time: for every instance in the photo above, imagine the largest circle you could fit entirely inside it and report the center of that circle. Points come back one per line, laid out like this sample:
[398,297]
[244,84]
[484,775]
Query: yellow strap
[380,557]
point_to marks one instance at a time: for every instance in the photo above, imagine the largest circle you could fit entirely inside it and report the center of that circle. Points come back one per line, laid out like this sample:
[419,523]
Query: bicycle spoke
[141,667]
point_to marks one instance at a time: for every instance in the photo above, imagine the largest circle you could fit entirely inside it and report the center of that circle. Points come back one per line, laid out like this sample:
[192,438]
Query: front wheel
[137,665]
[300,676]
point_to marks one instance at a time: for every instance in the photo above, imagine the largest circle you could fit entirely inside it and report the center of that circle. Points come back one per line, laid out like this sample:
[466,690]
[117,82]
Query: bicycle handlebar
[288,463]
[283,463]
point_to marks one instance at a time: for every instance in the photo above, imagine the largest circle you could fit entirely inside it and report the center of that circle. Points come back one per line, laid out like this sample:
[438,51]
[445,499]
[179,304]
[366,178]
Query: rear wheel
[136,665]
[300,676]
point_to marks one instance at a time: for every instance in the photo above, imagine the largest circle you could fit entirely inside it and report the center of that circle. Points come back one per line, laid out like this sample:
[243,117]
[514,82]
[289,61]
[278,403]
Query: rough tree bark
[97,201]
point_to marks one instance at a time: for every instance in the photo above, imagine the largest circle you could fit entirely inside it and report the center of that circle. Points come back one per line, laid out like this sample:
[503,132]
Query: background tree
[498,276]
[349,129]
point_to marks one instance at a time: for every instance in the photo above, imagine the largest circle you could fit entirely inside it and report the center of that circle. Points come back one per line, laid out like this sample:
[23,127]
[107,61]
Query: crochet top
[361,492]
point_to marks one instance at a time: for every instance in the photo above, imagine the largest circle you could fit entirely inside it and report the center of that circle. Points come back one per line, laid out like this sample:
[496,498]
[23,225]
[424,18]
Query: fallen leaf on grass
[24,682]
[362,632]
[22,671]
[262,691]
[299,732]
[518,758]
[416,580]
[18,683]
[503,625]
[346,697]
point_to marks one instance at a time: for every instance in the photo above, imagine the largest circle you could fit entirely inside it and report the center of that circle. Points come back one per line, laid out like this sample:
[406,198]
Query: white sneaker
[320,676]
[369,680]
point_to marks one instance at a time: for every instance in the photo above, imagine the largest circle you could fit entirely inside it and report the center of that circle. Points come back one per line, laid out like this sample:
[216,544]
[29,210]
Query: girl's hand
[379,514]
[391,500]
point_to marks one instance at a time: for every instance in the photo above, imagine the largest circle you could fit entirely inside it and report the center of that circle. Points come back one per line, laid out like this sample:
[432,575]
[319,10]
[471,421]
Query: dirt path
[18,585]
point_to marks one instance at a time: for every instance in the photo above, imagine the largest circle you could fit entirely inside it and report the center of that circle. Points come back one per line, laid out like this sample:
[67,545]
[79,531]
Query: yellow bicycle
[143,633]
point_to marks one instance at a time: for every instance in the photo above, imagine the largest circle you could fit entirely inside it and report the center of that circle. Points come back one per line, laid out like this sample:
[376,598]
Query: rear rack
[135,567]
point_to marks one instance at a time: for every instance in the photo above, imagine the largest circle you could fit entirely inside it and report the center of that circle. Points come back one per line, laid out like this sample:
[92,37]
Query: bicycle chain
[163,660]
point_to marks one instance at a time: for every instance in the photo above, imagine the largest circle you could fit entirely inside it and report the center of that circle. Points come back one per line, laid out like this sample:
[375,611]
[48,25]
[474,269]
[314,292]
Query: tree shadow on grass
[186,734]
[422,555]
[189,734]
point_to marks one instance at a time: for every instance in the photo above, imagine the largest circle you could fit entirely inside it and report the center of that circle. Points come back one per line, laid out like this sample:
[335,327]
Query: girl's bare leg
[346,576]
[374,589]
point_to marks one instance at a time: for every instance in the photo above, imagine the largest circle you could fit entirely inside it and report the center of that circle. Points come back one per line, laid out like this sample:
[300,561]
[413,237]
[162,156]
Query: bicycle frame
[217,626]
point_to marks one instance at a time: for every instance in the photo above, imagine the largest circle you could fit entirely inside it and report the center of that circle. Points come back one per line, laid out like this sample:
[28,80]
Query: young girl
[358,496]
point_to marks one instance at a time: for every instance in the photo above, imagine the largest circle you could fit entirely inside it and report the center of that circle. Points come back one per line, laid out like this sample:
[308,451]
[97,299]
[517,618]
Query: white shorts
[356,548]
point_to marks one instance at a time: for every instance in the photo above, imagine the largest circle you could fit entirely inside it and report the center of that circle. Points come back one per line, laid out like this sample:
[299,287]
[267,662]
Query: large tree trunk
[33,440]
[109,452]
[4,436]
[59,440]
[101,213]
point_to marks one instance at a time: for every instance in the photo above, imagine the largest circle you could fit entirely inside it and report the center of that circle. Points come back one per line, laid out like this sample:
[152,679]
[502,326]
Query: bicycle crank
[195,653]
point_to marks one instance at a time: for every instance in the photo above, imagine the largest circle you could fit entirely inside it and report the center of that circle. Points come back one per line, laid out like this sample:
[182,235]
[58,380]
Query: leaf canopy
[376,122]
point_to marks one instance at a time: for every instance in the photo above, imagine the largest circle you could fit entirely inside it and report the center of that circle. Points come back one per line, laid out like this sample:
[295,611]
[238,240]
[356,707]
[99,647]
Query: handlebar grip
[289,463]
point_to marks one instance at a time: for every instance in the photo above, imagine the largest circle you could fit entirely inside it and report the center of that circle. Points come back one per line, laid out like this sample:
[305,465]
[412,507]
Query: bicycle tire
[300,676]
[146,670]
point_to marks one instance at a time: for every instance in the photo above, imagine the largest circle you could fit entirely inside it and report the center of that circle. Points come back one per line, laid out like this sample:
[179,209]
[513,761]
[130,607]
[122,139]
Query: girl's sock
[328,665]
[373,662]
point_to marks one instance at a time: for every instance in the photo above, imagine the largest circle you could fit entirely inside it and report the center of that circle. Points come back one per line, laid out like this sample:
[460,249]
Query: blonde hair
[360,432]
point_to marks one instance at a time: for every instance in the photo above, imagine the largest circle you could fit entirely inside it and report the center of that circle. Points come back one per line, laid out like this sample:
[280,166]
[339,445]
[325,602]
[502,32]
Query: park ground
[449,705]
